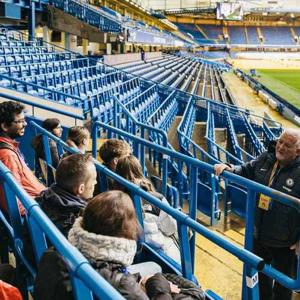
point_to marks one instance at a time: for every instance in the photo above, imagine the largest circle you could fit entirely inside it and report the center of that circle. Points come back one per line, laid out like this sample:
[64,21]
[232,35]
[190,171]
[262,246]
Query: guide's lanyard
[265,201]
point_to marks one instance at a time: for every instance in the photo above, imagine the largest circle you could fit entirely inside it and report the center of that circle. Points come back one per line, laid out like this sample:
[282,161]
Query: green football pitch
[285,83]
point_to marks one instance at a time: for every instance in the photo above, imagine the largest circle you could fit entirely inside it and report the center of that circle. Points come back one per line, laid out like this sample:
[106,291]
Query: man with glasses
[12,126]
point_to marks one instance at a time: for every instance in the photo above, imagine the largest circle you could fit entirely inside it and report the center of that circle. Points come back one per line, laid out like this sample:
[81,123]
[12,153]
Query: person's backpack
[52,280]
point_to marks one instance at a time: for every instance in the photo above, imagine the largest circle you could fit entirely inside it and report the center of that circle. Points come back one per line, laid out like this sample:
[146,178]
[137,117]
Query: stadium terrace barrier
[117,59]
[43,106]
[252,263]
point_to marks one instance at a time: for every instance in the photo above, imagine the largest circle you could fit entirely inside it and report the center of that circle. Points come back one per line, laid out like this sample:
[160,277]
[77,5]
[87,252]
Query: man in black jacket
[277,226]
[75,183]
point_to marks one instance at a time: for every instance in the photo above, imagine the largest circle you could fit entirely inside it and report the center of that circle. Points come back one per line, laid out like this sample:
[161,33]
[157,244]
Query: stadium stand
[237,35]
[277,36]
[144,103]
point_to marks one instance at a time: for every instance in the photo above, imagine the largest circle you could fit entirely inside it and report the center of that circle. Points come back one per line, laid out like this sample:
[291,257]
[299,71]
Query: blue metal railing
[85,280]
[252,187]
[251,261]
[88,14]
[213,148]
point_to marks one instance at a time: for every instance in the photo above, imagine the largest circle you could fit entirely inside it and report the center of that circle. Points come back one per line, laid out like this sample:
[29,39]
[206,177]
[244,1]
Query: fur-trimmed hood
[97,247]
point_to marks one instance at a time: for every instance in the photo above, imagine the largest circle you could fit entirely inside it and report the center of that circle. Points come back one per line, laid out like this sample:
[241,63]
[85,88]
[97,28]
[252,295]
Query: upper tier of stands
[242,35]
[107,20]
[277,36]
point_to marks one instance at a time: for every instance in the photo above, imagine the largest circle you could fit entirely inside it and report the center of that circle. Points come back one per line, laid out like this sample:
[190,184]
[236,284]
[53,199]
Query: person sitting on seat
[78,138]
[160,229]
[75,182]
[12,126]
[111,150]
[106,235]
[54,127]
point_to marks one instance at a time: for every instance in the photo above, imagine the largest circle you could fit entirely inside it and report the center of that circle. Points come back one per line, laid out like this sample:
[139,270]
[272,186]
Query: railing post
[31,19]
[94,138]
[193,210]
[250,276]
[165,167]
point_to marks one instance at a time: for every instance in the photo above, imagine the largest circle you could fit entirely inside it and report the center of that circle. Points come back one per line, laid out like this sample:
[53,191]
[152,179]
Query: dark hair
[113,148]
[50,124]
[77,134]
[72,171]
[111,213]
[8,110]
[129,167]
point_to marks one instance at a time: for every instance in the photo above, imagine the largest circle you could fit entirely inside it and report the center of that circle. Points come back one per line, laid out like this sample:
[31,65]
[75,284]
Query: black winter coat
[53,282]
[157,287]
[61,207]
[38,146]
[280,225]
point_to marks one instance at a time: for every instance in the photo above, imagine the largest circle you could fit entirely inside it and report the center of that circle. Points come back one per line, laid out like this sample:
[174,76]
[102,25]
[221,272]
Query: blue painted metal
[43,106]
[206,186]
[213,148]
[77,264]
[251,261]
[249,292]
[88,14]
[31,23]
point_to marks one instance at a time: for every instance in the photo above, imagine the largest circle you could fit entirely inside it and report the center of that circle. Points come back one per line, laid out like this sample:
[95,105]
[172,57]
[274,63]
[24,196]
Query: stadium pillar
[46,34]
[85,44]
[108,48]
[67,41]
[31,21]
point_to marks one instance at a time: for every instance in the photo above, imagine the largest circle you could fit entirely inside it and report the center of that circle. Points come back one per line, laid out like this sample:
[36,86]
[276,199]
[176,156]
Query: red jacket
[14,161]
[9,292]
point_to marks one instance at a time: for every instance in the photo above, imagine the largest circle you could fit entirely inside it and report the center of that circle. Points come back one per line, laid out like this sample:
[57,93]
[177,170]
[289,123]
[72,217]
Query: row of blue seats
[102,107]
[25,50]
[22,70]
[144,104]
[88,14]
[165,114]
[13,59]
[77,81]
